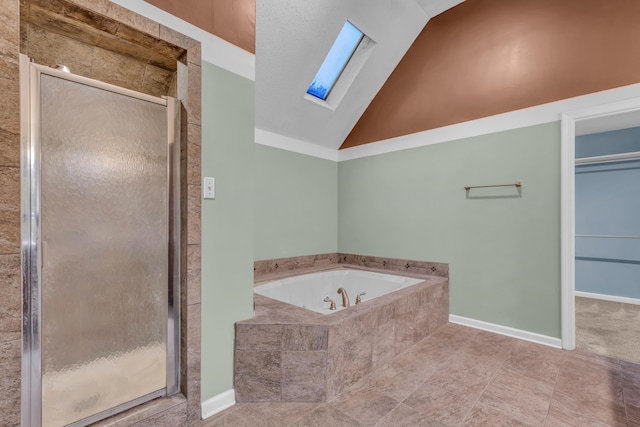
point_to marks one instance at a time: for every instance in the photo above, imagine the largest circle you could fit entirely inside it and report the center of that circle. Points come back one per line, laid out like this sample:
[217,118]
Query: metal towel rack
[517,184]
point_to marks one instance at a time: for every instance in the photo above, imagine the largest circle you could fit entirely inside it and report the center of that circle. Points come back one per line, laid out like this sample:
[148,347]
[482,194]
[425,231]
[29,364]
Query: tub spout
[345,297]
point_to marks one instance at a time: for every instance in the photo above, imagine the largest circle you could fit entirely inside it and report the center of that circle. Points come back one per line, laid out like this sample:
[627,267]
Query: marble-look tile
[257,376]
[304,367]
[120,70]
[173,86]
[175,38]
[168,61]
[49,48]
[11,297]
[9,210]
[586,380]
[358,362]
[581,358]
[142,412]
[194,54]
[326,415]
[193,361]
[194,257]
[633,415]
[396,382]
[156,81]
[273,414]
[367,407]
[383,344]
[631,391]
[173,417]
[69,13]
[9,36]
[335,367]
[517,381]
[536,361]
[9,148]
[10,362]
[97,6]
[250,337]
[193,286]
[194,98]
[405,416]
[520,398]
[194,153]
[193,208]
[132,19]
[468,382]
[483,415]
[443,406]
[438,307]
[568,410]
[10,117]
[630,371]
[305,338]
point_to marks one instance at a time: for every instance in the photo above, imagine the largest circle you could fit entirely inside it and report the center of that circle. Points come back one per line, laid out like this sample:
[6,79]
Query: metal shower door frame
[31,245]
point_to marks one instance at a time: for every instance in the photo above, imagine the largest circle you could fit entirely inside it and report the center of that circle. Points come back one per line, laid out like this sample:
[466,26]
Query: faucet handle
[332,306]
[358,297]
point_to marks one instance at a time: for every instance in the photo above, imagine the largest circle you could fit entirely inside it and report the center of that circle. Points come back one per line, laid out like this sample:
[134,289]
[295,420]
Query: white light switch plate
[209,188]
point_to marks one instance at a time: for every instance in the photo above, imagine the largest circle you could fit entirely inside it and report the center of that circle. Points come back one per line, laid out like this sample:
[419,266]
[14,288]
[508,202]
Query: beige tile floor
[464,377]
[609,328]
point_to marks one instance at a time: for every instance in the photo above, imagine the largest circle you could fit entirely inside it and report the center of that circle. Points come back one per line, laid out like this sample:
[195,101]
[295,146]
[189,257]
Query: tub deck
[287,353]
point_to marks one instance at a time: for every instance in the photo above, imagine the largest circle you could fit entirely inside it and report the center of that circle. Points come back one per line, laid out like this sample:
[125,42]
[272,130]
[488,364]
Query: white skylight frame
[347,77]
[336,61]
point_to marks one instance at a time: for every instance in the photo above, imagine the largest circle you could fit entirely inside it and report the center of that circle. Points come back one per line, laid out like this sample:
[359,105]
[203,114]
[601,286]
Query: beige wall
[488,57]
[98,39]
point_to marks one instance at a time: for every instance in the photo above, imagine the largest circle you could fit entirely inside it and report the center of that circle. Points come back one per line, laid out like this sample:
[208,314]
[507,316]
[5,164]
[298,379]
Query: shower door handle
[43,255]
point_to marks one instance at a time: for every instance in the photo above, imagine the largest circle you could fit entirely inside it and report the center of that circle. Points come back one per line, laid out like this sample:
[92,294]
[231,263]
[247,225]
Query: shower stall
[100,247]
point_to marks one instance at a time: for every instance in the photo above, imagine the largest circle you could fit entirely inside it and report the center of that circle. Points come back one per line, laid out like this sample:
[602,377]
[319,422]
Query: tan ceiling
[231,20]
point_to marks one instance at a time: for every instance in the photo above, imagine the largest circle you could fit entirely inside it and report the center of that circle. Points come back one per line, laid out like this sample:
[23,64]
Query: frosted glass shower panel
[105,251]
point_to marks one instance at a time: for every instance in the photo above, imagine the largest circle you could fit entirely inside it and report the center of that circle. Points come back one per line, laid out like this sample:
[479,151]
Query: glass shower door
[104,245]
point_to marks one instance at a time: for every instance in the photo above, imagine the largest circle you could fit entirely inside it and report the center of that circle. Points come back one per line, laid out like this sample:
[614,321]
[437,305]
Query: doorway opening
[590,236]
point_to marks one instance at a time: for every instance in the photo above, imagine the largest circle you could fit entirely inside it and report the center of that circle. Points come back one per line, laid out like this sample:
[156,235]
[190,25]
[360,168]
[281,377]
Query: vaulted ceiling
[293,37]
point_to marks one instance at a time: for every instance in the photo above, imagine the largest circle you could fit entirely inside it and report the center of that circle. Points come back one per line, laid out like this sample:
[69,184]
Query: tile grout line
[485,389]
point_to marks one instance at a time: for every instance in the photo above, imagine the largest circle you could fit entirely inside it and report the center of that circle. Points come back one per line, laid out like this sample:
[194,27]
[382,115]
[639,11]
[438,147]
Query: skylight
[335,61]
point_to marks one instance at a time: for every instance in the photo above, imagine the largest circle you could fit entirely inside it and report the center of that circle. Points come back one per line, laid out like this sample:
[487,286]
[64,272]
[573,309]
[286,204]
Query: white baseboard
[506,330]
[613,298]
[218,403]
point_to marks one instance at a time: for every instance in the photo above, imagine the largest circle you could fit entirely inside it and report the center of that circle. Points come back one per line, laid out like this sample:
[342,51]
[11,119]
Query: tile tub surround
[286,353]
[281,267]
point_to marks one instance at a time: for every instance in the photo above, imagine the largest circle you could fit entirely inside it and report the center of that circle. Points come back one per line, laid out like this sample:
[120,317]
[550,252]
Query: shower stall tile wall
[99,39]
[10,285]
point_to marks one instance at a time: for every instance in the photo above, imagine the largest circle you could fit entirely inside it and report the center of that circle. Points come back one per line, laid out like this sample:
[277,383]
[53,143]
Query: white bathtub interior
[309,290]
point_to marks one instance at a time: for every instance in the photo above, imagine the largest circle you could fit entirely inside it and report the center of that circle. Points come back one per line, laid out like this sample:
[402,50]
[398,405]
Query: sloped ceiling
[292,38]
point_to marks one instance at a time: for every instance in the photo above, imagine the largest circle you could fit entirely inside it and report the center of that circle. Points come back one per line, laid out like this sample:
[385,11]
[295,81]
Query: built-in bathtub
[289,353]
[313,290]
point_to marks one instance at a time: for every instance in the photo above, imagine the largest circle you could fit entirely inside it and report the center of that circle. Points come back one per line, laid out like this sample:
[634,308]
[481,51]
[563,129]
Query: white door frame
[567,222]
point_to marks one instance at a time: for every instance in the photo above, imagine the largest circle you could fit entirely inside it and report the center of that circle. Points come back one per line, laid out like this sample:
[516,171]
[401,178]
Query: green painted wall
[227,221]
[295,204]
[503,251]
